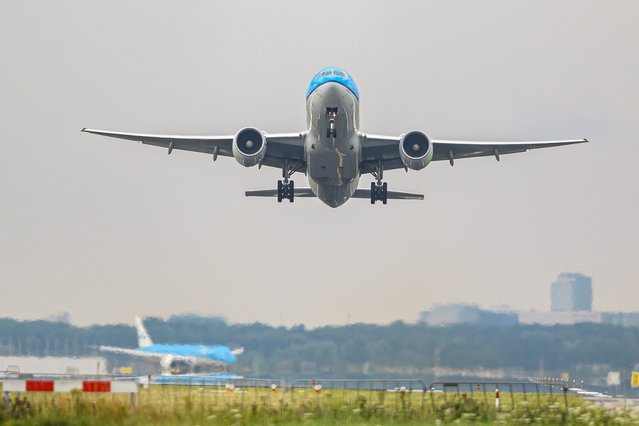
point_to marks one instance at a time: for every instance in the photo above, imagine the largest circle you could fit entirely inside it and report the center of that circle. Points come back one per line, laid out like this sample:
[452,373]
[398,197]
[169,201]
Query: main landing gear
[286,187]
[379,192]
[379,189]
[285,190]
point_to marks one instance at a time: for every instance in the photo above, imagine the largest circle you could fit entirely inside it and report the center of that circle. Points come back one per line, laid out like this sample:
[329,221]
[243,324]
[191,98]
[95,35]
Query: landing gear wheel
[285,191]
[286,188]
[379,189]
[379,192]
[384,194]
[373,192]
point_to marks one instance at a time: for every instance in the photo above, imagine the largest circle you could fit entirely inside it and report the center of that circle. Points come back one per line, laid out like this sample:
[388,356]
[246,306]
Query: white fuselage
[332,145]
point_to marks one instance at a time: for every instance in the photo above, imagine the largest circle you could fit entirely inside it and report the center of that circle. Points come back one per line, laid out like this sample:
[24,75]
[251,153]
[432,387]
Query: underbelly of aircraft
[333,174]
[332,165]
[332,145]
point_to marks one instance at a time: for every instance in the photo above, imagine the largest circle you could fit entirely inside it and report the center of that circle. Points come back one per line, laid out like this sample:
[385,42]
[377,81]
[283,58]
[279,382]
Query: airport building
[557,318]
[442,315]
[570,303]
[53,365]
[571,292]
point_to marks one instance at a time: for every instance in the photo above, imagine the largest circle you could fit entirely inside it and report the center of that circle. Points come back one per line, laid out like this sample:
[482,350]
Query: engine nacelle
[415,150]
[249,146]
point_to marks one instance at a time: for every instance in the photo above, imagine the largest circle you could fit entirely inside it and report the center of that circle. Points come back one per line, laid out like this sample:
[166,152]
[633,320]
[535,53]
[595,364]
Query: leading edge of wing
[141,137]
[380,147]
[215,145]
[144,354]
[373,140]
[529,144]
[279,145]
[453,149]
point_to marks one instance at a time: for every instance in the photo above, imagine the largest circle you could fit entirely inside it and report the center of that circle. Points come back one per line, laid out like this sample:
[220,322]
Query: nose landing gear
[331,113]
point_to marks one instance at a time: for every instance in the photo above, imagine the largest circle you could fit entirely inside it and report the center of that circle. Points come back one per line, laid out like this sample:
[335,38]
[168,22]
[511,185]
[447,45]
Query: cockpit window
[333,72]
[336,75]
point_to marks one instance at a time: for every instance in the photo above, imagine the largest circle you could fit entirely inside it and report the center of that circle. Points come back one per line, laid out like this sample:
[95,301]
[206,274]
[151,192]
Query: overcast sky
[106,229]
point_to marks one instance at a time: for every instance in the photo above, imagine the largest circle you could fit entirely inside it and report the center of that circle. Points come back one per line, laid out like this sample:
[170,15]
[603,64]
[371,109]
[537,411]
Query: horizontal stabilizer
[359,193]
[299,192]
[391,195]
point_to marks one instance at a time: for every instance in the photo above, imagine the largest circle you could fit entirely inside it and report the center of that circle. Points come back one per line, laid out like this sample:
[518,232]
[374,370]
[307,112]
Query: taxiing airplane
[179,359]
[333,152]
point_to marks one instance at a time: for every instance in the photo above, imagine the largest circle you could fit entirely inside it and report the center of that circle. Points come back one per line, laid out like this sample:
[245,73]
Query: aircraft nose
[331,89]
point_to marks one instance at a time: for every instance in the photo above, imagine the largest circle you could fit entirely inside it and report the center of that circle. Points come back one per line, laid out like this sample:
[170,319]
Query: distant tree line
[359,350]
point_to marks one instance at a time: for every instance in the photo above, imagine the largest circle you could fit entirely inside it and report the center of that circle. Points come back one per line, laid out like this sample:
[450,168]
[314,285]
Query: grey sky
[105,228]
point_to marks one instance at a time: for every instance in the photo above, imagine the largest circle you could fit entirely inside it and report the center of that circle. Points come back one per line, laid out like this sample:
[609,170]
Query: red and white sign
[99,386]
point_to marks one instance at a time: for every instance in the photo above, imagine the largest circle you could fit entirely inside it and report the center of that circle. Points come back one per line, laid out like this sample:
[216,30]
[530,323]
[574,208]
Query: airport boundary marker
[69,383]
[35,385]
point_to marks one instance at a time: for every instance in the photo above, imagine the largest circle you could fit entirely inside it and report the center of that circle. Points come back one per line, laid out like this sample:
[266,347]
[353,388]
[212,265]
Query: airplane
[333,152]
[179,359]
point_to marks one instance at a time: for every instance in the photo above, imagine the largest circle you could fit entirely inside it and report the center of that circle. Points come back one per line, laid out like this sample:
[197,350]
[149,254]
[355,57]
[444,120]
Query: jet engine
[249,146]
[415,150]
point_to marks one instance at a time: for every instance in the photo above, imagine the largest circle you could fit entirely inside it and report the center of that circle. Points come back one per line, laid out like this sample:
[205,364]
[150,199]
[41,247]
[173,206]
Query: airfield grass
[175,405]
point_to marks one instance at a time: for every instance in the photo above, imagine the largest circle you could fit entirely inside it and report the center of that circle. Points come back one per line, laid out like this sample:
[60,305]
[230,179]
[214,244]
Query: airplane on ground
[179,359]
[333,152]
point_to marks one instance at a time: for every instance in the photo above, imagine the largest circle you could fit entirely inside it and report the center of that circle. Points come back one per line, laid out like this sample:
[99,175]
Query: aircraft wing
[278,146]
[145,354]
[386,148]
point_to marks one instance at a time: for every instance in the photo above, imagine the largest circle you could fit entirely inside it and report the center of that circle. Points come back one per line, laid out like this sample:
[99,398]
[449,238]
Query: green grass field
[173,405]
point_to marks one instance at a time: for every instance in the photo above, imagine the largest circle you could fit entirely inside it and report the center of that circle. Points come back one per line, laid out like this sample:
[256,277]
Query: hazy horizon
[106,229]
[66,316]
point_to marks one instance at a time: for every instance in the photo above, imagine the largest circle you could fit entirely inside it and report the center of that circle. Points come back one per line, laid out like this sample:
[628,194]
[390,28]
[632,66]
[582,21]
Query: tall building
[571,292]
